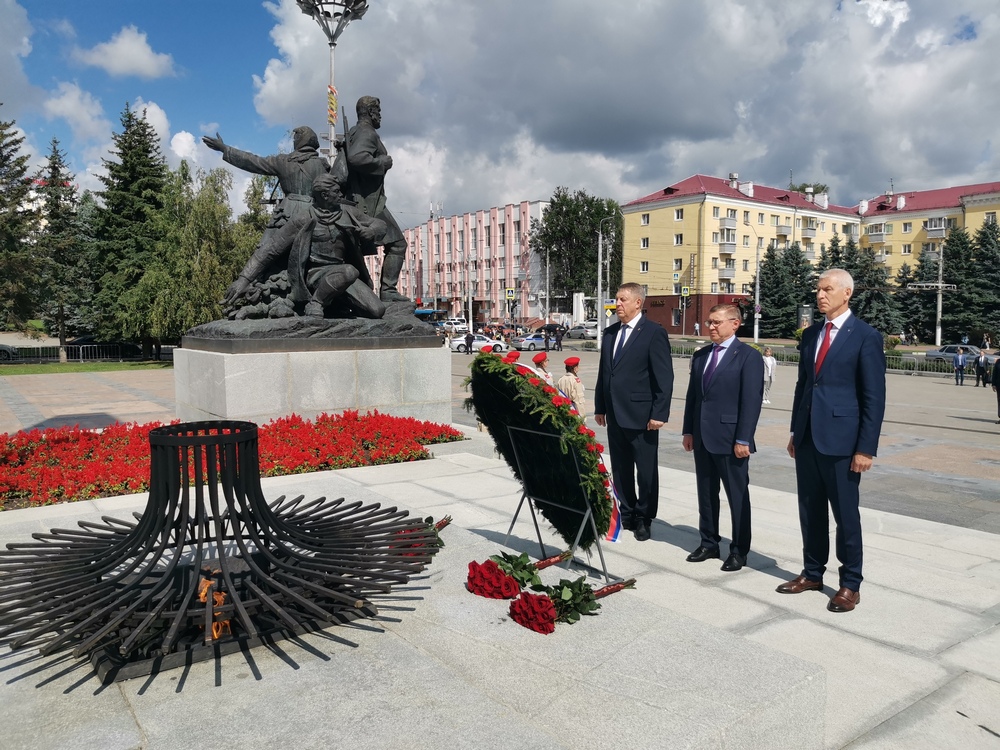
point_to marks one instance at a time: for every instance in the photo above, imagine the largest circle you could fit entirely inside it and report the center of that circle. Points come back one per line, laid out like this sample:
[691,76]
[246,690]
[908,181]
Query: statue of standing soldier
[367,163]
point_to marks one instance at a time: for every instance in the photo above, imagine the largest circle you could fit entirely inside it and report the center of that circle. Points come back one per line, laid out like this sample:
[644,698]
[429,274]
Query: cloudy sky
[487,102]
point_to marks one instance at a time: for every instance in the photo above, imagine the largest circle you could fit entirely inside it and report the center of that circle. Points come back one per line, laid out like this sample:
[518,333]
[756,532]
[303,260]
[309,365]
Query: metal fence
[80,353]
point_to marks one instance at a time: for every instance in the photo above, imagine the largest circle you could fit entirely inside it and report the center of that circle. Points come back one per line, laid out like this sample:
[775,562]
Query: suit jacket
[639,385]
[727,410]
[981,364]
[843,406]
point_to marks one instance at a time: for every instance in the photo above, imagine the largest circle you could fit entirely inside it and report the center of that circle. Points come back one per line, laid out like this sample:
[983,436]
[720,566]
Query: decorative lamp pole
[600,290]
[333,18]
[756,287]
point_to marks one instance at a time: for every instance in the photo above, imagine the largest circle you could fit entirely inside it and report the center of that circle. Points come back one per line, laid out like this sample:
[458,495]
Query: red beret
[513,355]
[487,350]
[539,358]
[572,361]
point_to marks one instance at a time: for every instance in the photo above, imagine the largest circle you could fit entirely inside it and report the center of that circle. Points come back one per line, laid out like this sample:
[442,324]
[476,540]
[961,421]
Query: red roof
[700,184]
[928,200]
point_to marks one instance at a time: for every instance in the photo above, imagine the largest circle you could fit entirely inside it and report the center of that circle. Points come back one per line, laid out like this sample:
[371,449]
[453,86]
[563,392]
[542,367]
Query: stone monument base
[261,378]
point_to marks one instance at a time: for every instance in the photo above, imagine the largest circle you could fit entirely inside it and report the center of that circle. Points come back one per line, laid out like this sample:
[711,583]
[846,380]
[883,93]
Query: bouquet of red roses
[486,579]
[522,570]
[564,602]
[429,521]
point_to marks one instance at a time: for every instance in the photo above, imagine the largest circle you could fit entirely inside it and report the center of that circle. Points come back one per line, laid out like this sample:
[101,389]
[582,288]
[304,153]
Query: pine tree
[908,301]
[962,309]
[19,268]
[924,310]
[773,299]
[59,243]
[127,227]
[836,255]
[800,277]
[986,250]
[872,300]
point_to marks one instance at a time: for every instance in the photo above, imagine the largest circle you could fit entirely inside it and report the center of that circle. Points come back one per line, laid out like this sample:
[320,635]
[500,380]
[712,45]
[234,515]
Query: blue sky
[498,101]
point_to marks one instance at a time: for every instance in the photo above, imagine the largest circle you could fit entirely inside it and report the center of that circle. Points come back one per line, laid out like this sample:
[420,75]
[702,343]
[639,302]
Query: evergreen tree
[962,309]
[986,249]
[568,233]
[872,300]
[59,245]
[127,230]
[836,255]
[850,260]
[785,283]
[924,309]
[19,268]
[908,301]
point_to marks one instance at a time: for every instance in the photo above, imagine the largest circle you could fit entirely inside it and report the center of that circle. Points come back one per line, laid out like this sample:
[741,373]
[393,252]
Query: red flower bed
[66,463]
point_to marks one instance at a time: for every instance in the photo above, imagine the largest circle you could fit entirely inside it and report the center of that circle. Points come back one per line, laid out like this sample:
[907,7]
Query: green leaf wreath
[502,397]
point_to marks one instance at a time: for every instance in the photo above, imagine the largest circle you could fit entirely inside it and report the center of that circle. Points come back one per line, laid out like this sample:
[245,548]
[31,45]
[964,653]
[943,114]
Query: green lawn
[54,368]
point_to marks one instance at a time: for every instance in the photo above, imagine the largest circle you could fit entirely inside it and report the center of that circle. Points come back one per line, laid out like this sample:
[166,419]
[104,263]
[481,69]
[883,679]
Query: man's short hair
[730,310]
[838,276]
[365,104]
[633,289]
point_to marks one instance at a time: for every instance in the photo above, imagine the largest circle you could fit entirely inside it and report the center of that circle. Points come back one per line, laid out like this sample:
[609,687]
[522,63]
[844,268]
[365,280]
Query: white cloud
[184,146]
[127,54]
[16,91]
[81,111]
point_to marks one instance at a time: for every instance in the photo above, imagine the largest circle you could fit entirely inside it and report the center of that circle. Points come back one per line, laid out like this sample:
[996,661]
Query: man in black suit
[635,381]
[982,368]
[837,415]
[724,398]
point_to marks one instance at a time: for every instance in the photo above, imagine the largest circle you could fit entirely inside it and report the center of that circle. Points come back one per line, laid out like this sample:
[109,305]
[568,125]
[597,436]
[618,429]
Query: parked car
[530,342]
[582,332]
[947,353]
[478,342]
[7,353]
[551,328]
[456,325]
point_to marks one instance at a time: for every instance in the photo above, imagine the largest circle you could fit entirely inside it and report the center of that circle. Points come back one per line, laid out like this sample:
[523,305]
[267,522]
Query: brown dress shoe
[798,585]
[844,600]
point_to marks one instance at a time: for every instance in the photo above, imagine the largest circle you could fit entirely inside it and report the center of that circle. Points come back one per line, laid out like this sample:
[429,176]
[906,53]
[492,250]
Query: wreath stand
[538,490]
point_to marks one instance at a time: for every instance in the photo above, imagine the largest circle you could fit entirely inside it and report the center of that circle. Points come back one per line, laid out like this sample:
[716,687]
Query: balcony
[881,257]
[727,248]
[936,233]
[808,233]
[727,273]
[876,238]
[809,253]
[783,230]
[727,223]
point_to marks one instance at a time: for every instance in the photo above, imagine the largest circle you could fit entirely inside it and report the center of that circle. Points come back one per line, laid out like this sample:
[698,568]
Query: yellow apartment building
[901,226]
[704,236]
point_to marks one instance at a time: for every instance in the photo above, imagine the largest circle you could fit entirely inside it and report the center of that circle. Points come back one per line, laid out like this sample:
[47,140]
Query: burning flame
[219,627]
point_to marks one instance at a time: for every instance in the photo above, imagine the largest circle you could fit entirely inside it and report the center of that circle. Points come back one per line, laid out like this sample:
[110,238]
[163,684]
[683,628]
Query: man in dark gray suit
[723,404]
[635,381]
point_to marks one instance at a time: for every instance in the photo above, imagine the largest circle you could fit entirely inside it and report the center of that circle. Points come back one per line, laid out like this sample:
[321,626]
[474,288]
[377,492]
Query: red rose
[600,448]
[534,381]
[601,469]
[549,389]
[509,587]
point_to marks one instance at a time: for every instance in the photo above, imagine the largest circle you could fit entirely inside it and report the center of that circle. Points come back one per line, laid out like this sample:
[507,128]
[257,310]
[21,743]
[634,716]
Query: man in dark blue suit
[836,419]
[635,381]
[724,398]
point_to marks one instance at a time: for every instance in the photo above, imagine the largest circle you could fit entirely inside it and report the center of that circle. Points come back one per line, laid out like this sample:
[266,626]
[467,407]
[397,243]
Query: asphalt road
[939,454]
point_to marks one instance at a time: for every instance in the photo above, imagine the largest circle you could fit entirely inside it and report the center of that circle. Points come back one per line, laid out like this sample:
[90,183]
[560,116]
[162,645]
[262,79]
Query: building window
[678,214]
[748,289]
[644,220]
[730,263]
[517,231]
[760,219]
[907,227]
[715,262]
[678,239]
[730,213]
[502,234]
[888,228]
[906,249]
[677,288]
[746,217]
[677,316]
[928,247]
[715,287]
[822,226]
[715,212]
[461,242]
[746,240]
[487,229]
[677,264]
[644,266]
[774,220]
[760,243]
[991,218]
[644,243]
[715,238]
[746,265]
[876,229]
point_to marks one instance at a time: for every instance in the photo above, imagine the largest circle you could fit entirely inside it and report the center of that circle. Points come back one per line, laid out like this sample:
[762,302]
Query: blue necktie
[621,343]
[713,361]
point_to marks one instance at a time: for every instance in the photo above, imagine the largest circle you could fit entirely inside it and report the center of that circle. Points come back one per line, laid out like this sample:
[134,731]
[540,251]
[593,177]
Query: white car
[456,325]
[478,342]
[584,331]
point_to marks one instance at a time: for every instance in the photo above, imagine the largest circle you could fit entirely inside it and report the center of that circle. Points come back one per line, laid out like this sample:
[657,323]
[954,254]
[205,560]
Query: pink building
[475,260]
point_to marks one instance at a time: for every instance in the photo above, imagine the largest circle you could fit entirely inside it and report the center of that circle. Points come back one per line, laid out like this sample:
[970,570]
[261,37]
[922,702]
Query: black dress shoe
[641,531]
[734,562]
[628,524]
[703,553]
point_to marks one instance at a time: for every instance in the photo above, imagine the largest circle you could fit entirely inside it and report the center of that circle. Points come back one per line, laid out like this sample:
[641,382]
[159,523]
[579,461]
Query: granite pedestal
[261,379]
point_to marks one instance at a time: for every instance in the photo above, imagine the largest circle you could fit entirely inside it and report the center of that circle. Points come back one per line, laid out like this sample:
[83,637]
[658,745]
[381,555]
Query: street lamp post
[600,291]
[333,17]
[756,286]
[940,287]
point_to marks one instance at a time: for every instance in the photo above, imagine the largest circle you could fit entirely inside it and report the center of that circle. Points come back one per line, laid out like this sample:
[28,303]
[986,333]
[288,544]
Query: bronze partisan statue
[295,171]
[367,163]
[321,249]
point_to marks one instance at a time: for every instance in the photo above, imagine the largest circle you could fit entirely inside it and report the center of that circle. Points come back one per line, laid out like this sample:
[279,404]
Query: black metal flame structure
[208,568]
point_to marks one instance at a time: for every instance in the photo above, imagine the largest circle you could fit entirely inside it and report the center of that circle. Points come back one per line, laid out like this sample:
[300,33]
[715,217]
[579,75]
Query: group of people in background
[837,413]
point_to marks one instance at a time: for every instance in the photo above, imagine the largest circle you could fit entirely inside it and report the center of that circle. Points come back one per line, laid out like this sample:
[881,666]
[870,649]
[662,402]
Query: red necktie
[824,347]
